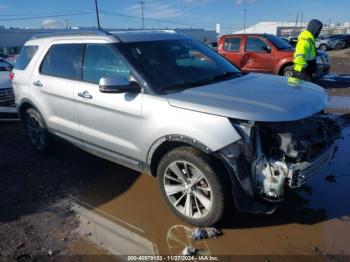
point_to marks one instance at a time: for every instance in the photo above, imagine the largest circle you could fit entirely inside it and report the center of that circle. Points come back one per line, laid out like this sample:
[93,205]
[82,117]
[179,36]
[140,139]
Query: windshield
[279,43]
[177,64]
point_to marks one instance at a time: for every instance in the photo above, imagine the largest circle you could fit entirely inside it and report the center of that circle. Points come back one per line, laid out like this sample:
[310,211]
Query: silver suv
[164,104]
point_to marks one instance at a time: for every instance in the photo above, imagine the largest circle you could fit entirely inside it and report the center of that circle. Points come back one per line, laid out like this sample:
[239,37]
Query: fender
[281,64]
[287,60]
[176,138]
[20,104]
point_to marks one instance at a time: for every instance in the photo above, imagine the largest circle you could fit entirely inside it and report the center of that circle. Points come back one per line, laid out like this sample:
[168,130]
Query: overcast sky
[168,13]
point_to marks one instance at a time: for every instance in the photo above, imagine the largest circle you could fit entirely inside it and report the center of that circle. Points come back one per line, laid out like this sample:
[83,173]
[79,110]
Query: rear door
[257,55]
[232,49]
[53,87]
[110,123]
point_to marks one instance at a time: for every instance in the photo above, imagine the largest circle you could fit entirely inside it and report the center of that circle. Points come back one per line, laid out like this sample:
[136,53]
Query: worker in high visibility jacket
[305,52]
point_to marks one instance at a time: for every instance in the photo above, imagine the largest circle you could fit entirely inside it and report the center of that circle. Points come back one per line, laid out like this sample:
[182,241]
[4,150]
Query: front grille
[7,96]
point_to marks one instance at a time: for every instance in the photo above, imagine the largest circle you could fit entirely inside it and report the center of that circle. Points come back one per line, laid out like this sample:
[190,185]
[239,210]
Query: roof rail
[72,33]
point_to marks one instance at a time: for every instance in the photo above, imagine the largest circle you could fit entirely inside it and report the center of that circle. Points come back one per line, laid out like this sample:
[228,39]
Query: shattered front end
[272,155]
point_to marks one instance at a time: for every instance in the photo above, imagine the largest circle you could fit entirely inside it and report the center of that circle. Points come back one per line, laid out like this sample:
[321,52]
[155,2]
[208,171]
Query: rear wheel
[338,46]
[288,71]
[191,187]
[36,130]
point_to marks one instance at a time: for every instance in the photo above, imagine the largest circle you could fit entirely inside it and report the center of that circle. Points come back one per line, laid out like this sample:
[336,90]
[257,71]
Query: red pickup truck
[264,53]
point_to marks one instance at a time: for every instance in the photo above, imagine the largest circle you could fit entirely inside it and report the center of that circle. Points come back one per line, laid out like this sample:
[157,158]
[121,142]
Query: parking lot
[72,203]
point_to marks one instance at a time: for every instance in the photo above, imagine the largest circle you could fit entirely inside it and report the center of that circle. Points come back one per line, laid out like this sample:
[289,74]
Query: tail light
[12,76]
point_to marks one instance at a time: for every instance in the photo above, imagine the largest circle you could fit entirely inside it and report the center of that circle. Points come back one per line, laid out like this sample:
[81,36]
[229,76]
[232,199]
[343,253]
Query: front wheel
[191,187]
[288,71]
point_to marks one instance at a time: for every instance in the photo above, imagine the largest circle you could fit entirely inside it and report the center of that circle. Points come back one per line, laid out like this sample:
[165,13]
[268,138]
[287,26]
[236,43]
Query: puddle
[336,77]
[124,214]
[339,103]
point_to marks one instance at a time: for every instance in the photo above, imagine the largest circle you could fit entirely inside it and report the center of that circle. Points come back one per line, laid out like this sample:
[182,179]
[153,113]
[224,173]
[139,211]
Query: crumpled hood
[256,97]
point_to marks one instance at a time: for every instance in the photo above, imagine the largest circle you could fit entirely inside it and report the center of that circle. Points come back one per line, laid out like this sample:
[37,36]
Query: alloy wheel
[288,73]
[188,189]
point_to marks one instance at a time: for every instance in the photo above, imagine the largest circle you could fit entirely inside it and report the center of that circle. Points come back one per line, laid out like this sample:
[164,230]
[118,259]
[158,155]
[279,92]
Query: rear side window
[25,56]
[232,44]
[63,60]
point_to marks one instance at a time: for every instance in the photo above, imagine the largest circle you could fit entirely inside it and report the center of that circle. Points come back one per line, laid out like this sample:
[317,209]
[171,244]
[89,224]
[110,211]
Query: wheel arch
[283,66]
[24,106]
[167,143]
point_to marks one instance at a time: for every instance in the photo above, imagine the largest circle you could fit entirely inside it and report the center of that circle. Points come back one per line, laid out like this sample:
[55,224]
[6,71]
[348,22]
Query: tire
[323,47]
[288,71]
[338,46]
[201,202]
[37,132]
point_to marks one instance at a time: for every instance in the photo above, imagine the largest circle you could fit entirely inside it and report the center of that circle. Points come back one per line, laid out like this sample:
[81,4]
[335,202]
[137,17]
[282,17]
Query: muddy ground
[55,206]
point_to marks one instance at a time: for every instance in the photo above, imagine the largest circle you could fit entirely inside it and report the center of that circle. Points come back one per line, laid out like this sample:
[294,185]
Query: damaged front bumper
[259,178]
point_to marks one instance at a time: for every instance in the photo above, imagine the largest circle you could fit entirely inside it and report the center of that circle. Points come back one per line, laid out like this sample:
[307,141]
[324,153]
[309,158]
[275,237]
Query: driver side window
[101,60]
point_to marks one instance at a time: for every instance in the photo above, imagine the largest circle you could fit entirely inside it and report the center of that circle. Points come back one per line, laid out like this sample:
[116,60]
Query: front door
[257,56]
[109,123]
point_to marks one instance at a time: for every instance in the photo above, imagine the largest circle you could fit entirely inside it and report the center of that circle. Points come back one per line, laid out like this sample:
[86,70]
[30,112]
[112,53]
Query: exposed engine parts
[272,155]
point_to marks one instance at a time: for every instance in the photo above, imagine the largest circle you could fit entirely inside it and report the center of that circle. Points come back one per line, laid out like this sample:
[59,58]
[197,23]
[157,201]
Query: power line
[43,13]
[44,16]
[151,19]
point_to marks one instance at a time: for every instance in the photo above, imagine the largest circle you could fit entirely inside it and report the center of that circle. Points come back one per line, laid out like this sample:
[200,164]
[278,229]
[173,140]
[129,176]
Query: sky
[167,13]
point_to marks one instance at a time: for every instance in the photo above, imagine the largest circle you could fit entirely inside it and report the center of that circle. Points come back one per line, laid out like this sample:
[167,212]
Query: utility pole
[97,16]
[245,14]
[142,3]
[302,20]
[66,22]
[296,20]
[296,23]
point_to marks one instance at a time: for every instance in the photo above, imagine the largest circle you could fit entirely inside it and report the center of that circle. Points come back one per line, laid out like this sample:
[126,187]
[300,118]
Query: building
[291,29]
[274,28]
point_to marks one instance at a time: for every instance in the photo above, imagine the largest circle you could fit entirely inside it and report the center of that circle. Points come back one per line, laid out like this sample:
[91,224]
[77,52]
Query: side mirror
[118,85]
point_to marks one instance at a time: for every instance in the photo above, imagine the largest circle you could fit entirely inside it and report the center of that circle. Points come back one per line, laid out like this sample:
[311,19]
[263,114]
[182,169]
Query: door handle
[38,83]
[85,95]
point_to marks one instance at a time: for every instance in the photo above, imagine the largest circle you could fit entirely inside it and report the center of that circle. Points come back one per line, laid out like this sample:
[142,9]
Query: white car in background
[6,91]
[7,99]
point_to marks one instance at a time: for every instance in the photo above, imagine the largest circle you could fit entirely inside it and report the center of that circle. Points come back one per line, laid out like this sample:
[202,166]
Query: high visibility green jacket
[305,50]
